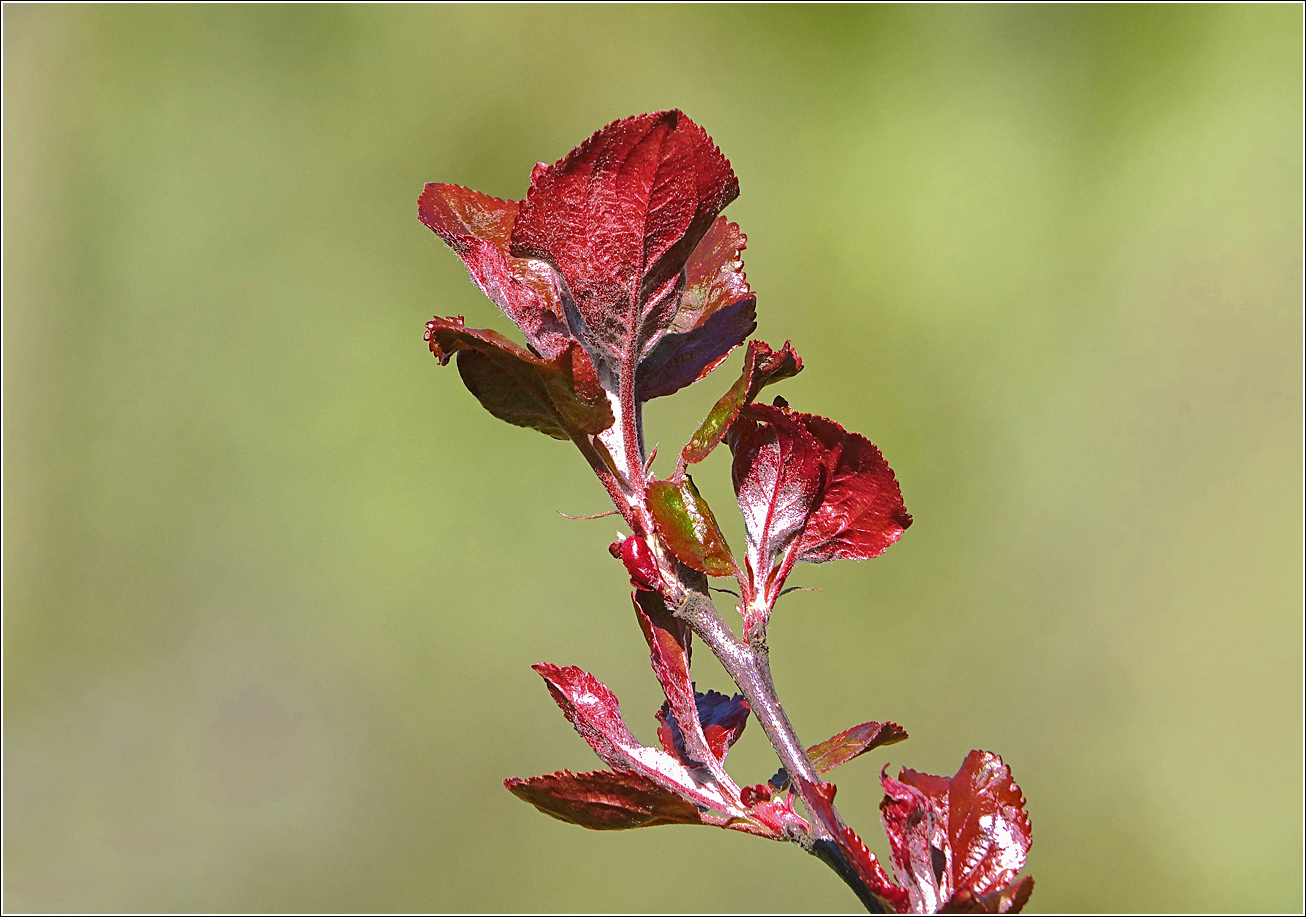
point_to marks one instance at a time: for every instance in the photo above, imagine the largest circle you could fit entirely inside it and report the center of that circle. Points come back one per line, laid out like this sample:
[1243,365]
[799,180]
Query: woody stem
[748,664]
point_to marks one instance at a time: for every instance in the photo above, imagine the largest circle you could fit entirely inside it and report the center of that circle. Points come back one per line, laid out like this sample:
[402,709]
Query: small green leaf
[685,522]
[762,366]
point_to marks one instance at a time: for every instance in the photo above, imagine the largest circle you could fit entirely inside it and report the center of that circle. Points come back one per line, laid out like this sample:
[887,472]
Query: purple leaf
[722,720]
[478,228]
[560,397]
[762,366]
[959,842]
[686,524]
[618,218]
[604,800]
[842,748]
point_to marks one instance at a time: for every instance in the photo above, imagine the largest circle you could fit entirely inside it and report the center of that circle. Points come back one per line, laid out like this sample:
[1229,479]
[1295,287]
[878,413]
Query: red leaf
[478,228]
[593,710]
[777,475]
[618,217]
[861,511]
[762,366]
[669,642]
[842,748]
[560,397]
[717,313]
[959,842]
[686,524]
[604,800]
[810,491]
[821,797]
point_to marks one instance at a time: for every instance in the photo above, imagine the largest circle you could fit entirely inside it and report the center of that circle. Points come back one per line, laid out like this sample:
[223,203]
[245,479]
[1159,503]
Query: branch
[748,664]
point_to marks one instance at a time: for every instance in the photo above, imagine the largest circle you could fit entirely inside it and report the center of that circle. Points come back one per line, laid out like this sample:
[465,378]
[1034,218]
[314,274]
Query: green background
[273,580]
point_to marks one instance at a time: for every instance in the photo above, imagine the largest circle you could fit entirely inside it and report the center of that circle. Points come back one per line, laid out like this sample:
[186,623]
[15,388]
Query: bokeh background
[273,580]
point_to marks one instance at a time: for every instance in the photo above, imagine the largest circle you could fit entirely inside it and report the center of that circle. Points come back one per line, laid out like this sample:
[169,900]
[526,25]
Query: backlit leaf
[762,366]
[685,522]
[478,228]
[860,512]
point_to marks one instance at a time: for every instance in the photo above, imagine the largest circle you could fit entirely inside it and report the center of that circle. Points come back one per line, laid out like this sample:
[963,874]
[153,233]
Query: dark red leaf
[716,314]
[560,397]
[686,524]
[618,217]
[777,474]
[593,710]
[478,228]
[861,511]
[762,366]
[1010,899]
[958,842]
[604,800]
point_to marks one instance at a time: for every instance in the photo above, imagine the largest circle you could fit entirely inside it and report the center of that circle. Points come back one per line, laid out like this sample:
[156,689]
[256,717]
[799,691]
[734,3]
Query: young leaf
[685,522]
[861,511]
[820,796]
[717,313]
[560,397]
[592,709]
[604,800]
[722,720]
[842,748]
[669,644]
[959,843]
[618,218]
[478,228]
[777,475]
[762,366]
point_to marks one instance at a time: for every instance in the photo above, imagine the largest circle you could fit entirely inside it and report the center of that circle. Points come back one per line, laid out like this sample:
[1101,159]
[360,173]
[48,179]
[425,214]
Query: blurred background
[273,580]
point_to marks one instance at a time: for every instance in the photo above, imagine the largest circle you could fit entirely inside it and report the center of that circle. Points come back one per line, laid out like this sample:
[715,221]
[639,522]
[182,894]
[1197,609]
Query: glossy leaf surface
[478,228]
[777,474]
[593,710]
[958,842]
[618,218]
[604,800]
[685,522]
[560,397]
